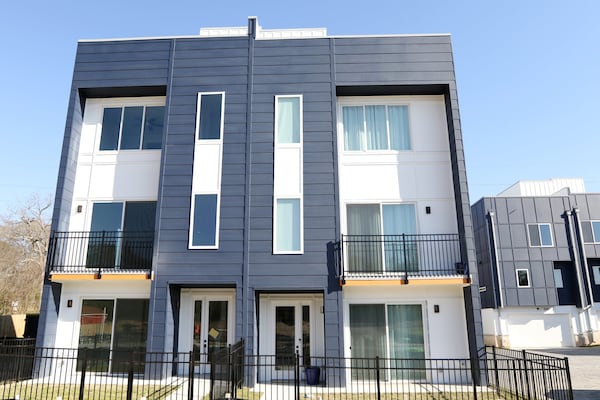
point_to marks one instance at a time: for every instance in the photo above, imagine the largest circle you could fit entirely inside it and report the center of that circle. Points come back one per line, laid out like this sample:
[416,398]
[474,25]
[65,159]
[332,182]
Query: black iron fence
[496,374]
[77,252]
[401,256]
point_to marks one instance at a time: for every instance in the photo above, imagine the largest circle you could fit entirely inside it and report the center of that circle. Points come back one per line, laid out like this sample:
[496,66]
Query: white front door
[205,324]
[288,329]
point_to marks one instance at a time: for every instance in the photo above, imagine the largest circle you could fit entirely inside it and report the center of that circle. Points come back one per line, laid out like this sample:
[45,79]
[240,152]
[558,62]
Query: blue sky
[527,72]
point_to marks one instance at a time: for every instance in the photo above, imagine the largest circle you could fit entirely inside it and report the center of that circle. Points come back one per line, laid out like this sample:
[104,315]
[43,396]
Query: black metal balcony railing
[401,256]
[82,251]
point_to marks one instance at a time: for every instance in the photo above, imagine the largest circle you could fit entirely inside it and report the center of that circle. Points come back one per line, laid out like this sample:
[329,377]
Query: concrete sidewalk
[584,363]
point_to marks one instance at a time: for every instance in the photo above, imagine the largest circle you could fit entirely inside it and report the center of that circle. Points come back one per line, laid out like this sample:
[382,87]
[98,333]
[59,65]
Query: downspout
[496,277]
[246,303]
[584,265]
[495,263]
[583,256]
[582,297]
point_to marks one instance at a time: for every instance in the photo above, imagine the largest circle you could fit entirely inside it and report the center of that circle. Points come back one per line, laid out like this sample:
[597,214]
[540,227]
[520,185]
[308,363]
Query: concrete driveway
[584,363]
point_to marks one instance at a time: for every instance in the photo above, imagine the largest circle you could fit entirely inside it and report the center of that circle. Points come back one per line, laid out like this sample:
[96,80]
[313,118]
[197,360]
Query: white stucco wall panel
[67,331]
[445,332]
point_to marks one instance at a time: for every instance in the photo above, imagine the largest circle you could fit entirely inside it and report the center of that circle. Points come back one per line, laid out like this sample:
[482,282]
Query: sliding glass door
[381,238]
[389,331]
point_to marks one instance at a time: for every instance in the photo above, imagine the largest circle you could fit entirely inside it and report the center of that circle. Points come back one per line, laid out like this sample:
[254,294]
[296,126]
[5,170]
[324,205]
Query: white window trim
[301,111]
[200,191]
[528,277]
[380,204]
[538,224]
[222,122]
[595,239]
[374,101]
[300,195]
[122,102]
[275,232]
[191,246]
[386,303]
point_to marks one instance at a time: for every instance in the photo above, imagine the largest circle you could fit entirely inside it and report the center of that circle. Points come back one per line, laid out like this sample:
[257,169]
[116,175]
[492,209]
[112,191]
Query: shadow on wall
[18,326]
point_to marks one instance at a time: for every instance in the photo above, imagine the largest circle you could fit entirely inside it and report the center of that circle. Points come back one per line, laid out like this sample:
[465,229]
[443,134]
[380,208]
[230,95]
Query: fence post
[191,377]
[83,368]
[496,374]
[568,372]
[130,378]
[297,376]
[474,377]
[230,370]
[378,377]
[524,353]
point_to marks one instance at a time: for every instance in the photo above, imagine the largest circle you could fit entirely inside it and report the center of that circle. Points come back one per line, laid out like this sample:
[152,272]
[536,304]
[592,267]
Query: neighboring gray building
[538,252]
[300,191]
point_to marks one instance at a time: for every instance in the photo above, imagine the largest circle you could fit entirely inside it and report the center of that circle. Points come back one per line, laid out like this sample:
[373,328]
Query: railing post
[130,378]
[405,257]
[191,377]
[569,385]
[378,378]
[496,374]
[524,353]
[297,376]
[83,368]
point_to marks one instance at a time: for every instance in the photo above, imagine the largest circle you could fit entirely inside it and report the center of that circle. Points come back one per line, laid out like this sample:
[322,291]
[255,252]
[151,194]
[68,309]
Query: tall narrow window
[288,124]
[288,226]
[207,170]
[210,119]
[288,176]
[204,228]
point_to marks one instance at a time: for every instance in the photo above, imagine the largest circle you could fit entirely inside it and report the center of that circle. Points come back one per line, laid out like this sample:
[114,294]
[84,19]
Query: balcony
[100,255]
[406,257]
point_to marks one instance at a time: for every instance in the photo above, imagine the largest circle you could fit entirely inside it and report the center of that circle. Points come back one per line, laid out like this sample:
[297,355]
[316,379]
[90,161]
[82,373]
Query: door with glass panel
[291,337]
[206,328]
[381,238]
[393,332]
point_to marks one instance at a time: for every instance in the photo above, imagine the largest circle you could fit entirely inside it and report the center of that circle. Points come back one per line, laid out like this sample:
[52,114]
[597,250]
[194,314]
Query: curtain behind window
[400,252]
[364,251]
[288,120]
[407,343]
[353,120]
[399,136]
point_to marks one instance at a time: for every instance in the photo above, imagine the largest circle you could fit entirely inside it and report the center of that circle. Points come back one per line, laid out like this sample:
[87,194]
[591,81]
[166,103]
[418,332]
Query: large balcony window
[121,237]
[382,241]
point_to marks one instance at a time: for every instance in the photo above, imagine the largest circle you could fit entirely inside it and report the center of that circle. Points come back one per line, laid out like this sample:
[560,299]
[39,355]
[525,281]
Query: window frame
[191,245]
[275,220]
[385,101]
[301,121]
[127,102]
[527,276]
[197,138]
[539,224]
[381,204]
[591,227]
[558,274]
[596,274]
[389,302]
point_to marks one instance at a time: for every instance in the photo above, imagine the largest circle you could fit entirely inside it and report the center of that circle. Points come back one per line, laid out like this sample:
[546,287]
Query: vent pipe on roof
[252,26]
